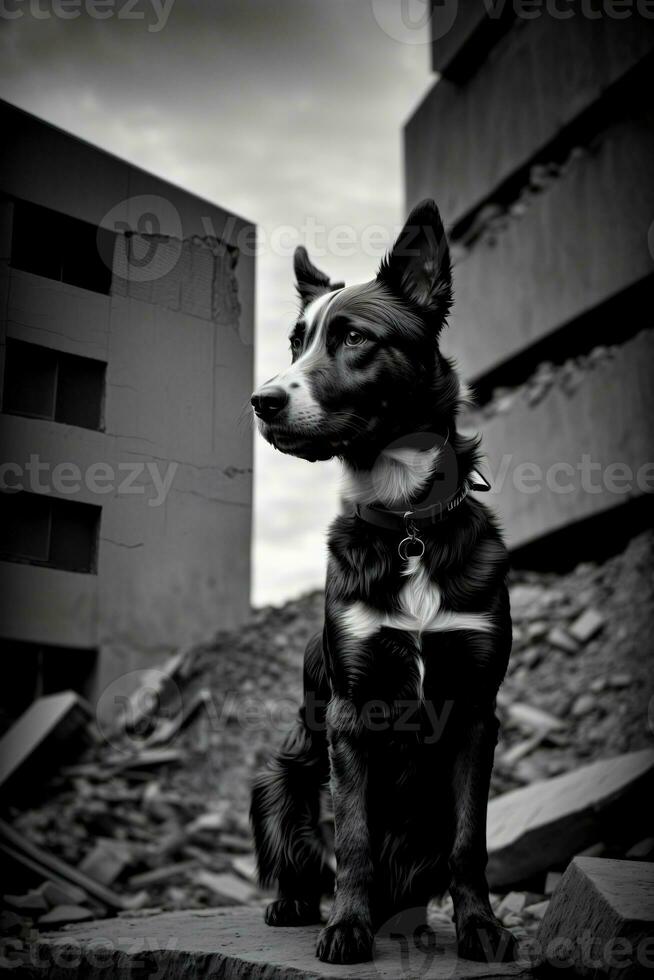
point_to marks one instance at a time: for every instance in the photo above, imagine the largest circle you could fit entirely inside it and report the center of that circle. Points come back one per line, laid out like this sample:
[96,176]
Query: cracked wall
[196,276]
[176,339]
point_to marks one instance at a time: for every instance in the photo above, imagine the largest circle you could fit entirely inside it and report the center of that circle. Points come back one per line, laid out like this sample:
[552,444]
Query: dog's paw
[486,941]
[292,912]
[345,942]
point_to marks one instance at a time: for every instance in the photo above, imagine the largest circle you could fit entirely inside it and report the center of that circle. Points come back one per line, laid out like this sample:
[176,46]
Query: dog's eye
[354,339]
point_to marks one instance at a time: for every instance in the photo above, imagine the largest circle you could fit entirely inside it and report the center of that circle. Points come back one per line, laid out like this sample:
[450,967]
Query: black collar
[399,520]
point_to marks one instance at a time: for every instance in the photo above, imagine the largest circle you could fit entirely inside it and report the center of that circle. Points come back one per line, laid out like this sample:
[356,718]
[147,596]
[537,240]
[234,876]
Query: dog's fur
[399,710]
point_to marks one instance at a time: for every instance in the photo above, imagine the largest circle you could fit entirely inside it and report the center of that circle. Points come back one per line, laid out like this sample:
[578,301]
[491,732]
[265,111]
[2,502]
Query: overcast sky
[288,113]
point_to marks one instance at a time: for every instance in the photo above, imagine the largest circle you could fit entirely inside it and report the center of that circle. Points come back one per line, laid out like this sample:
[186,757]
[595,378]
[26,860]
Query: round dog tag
[411,548]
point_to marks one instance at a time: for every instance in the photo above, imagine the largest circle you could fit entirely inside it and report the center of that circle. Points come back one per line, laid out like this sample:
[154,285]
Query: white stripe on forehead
[303,401]
[314,317]
[313,309]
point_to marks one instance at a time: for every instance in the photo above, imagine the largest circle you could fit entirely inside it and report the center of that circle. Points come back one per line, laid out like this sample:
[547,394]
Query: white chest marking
[418,611]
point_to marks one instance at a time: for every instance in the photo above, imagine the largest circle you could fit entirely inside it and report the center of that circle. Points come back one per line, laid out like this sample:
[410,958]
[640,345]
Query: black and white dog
[399,709]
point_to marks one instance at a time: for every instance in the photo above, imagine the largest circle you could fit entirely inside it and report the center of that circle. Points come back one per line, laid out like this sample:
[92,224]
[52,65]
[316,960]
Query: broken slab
[542,826]
[63,914]
[228,887]
[586,626]
[106,861]
[600,920]
[235,943]
[37,859]
[38,740]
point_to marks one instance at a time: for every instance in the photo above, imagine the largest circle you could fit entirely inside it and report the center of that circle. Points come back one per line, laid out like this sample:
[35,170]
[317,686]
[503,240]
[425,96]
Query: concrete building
[537,142]
[126,333]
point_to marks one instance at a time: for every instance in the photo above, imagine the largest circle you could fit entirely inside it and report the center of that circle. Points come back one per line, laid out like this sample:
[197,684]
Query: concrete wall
[579,241]
[172,567]
[575,453]
[464,140]
[538,146]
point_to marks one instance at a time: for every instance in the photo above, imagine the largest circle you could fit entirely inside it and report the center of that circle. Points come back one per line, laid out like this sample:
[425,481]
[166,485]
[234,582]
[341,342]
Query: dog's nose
[269,401]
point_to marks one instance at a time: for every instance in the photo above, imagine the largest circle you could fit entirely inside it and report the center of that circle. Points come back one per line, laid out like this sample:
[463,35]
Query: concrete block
[607,421]
[545,824]
[228,887]
[106,861]
[463,141]
[581,241]
[61,915]
[600,921]
[587,625]
[234,944]
[43,729]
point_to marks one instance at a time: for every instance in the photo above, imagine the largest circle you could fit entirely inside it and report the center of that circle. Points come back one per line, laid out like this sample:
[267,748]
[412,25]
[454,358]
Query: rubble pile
[154,813]
[580,680]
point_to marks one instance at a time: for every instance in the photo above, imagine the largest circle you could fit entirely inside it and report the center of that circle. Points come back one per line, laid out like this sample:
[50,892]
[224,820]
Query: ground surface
[233,943]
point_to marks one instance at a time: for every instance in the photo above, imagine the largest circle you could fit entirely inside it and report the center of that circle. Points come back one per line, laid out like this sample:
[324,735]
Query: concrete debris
[532,719]
[642,851]
[246,867]
[157,875]
[542,826]
[511,904]
[61,915]
[63,893]
[537,910]
[107,860]
[230,888]
[610,901]
[168,727]
[172,789]
[32,902]
[49,730]
[24,852]
[562,639]
[589,623]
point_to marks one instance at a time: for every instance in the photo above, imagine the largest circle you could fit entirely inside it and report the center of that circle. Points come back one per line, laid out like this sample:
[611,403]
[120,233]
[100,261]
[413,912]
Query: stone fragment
[587,625]
[61,915]
[542,826]
[613,903]
[561,639]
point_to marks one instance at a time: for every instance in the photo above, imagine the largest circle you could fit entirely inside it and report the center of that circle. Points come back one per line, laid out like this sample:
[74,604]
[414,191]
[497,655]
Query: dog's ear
[418,267]
[311,282]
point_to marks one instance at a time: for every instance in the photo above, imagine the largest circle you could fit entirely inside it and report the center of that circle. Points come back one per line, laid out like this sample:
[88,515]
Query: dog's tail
[285,814]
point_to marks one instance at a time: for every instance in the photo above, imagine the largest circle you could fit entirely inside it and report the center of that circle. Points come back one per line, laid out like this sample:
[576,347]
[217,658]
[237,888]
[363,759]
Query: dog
[398,717]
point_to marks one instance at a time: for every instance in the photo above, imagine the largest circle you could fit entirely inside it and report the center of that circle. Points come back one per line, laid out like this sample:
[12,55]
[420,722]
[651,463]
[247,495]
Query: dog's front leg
[480,936]
[347,937]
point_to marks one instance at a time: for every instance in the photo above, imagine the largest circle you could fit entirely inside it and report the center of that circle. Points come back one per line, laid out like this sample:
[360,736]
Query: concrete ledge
[608,418]
[463,141]
[235,943]
[581,241]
